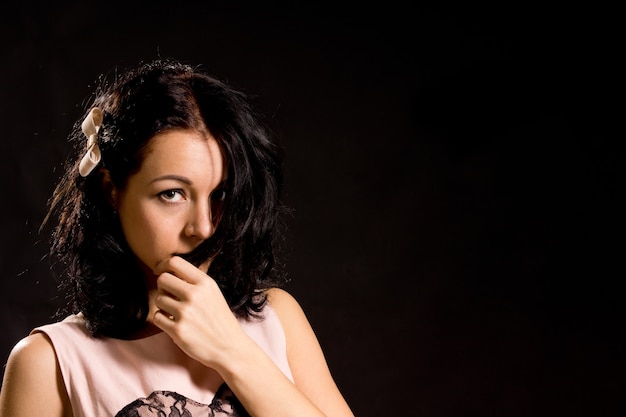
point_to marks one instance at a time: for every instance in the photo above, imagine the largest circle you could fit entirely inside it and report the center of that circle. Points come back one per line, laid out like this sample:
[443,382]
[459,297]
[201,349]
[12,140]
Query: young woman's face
[174,202]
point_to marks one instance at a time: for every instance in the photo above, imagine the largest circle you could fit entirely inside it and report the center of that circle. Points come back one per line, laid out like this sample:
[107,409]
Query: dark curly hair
[100,275]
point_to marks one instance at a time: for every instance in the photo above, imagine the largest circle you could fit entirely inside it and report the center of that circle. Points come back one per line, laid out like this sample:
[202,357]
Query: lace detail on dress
[172,404]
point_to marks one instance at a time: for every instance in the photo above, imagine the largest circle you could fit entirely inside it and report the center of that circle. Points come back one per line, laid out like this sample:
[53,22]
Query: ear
[108,188]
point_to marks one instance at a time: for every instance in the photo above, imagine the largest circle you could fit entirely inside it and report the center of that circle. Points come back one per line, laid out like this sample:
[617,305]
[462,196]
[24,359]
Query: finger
[167,305]
[172,285]
[163,320]
[180,268]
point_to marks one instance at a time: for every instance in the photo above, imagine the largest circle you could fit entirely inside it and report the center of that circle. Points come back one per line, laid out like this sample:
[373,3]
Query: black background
[455,238]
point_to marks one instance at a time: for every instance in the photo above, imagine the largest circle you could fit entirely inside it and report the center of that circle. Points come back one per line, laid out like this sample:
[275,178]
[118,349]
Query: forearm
[262,388]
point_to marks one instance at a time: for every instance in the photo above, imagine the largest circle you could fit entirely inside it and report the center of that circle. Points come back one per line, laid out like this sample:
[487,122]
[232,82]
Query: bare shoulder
[34,351]
[305,356]
[32,379]
[282,300]
[287,308]
[300,337]
[298,331]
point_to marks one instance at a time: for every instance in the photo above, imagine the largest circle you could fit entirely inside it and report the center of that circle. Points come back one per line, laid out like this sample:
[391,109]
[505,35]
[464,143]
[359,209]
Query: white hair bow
[91,126]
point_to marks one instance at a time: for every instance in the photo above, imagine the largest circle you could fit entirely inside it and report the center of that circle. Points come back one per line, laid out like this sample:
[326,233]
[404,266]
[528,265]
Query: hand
[193,312]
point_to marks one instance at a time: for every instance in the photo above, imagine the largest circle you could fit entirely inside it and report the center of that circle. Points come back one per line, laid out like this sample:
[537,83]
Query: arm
[265,391]
[32,384]
[306,359]
[195,314]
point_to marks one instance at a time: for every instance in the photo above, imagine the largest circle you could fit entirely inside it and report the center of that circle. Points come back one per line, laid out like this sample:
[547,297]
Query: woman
[166,222]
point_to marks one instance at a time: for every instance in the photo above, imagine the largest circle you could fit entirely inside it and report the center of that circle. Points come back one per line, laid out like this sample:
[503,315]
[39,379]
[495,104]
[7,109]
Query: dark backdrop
[455,233]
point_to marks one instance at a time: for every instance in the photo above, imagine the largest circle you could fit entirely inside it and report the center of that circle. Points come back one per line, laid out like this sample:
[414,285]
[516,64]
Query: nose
[200,225]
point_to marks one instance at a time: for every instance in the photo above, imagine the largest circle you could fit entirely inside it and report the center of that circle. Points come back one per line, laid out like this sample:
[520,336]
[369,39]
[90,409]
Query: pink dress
[150,376]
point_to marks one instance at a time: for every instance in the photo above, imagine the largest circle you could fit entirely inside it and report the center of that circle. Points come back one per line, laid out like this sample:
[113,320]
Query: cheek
[148,237]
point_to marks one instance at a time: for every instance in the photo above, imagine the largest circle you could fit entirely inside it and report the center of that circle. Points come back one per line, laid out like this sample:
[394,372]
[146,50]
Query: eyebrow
[182,179]
[172,177]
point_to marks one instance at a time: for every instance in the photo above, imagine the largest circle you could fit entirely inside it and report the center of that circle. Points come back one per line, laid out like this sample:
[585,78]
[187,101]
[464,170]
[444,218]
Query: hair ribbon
[91,126]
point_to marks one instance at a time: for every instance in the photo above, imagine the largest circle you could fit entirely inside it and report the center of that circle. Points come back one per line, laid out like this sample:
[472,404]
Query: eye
[172,196]
[218,194]
[217,204]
